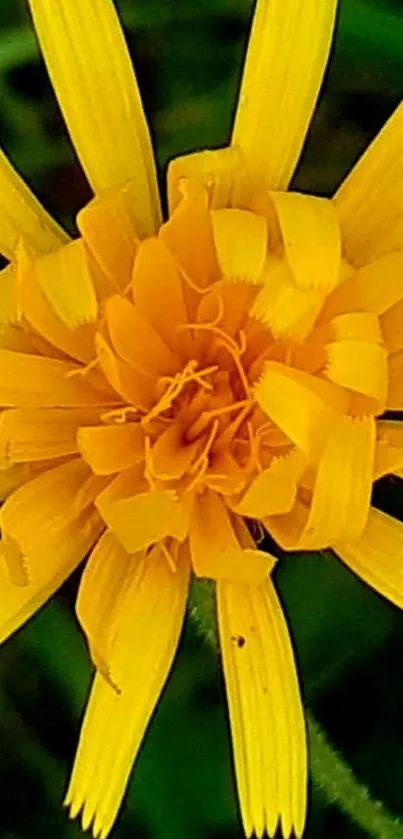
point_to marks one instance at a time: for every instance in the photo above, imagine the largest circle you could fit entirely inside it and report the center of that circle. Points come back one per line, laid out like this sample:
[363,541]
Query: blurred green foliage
[348,640]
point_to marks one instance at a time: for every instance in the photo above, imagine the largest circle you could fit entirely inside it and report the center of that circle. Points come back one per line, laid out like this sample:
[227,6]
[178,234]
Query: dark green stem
[333,776]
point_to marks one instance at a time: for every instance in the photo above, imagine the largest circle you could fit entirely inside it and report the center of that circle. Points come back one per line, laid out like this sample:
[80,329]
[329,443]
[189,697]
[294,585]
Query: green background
[349,641]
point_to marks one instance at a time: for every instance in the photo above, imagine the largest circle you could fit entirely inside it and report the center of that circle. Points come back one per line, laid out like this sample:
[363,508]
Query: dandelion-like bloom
[161,383]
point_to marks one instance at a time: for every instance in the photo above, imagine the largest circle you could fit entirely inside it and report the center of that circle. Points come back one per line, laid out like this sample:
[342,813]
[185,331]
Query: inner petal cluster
[233,369]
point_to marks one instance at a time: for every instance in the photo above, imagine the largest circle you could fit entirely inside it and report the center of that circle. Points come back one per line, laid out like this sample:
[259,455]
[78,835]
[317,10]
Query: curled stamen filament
[119,415]
[169,558]
[200,424]
[148,468]
[191,283]
[210,327]
[254,454]
[242,342]
[200,466]
[235,425]
[176,385]
[82,371]
[234,353]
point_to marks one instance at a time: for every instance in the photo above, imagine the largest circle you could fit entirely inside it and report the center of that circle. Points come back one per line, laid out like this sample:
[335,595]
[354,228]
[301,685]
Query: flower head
[162,383]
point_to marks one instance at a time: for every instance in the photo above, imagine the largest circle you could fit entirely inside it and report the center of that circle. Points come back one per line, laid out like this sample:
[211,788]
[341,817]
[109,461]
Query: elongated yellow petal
[375,288]
[23,216]
[241,240]
[342,490]
[10,311]
[394,400]
[34,381]
[158,291]
[391,323]
[274,489]
[170,456]
[311,238]
[104,582]
[79,344]
[65,280]
[376,556]
[265,709]
[215,549]
[221,171]
[357,326]
[360,366]
[147,624]
[110,448]
[136,340]
[109,228]
[140,520]
[370,201]
[389,448]
[285,62]
[318,404]
[134,386]
[287,529]
[195,255]
[288,310]
[46,534]
[11,478]
[91,72]
[32,434]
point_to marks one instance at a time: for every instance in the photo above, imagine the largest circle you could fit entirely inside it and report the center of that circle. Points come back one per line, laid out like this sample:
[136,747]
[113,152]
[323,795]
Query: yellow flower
[162,382]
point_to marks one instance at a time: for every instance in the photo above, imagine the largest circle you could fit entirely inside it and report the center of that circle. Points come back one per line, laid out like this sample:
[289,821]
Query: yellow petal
[136,387]
[281,389]
[11,478]
[369,203]
[376,556]
[394,400]
[265,710]
[343,484]
[287,310]
[360,366]
[31,434]
[10,311]
[91,72]
[140,520]
[285,62]
[109,229]
[136,340]
[23,216]
[311,238]
[195,254]
[79,344]
[356,326]
[64,278]
[215,548]
[147,625]
[13,338]
[274,490]
[240,239]
[33,381]
[104,581]
[44,531]
[170,456]
[287,529]
[374,288]
[219,170]
[110,448]
[158,291]
[391,323]
[389,448]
